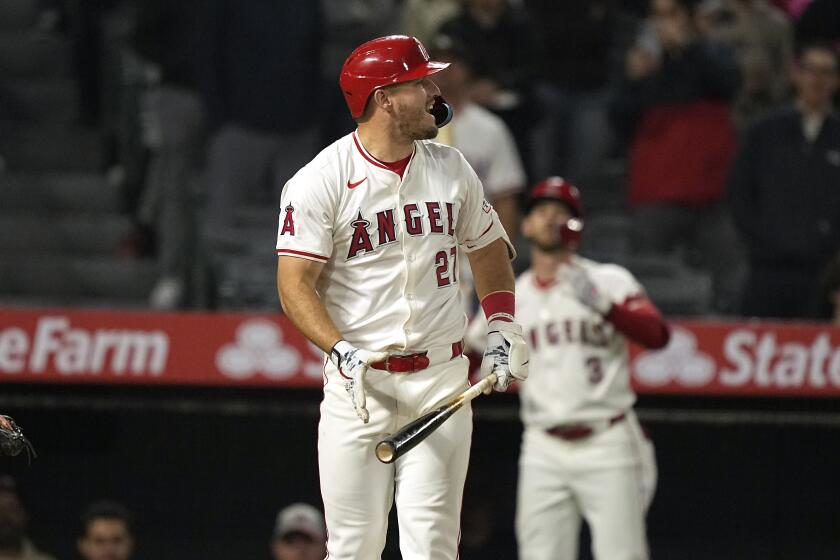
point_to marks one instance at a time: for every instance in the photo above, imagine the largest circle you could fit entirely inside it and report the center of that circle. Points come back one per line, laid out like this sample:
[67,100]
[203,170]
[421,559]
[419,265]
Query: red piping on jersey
[543,284]
[294,253]
[640,321]
[397,167]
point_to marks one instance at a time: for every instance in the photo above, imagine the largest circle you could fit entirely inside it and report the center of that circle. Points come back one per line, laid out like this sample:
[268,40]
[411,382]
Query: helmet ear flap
[442,111]
[570,233]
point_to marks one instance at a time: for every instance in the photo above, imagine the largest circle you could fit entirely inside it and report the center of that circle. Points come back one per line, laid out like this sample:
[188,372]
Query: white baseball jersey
[579,368]
[388,243]
[579,374]
[488,145]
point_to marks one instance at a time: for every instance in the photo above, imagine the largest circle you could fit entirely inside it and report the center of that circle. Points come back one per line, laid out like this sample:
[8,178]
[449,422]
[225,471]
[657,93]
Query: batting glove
[585,289]
[506,354]
[352,363]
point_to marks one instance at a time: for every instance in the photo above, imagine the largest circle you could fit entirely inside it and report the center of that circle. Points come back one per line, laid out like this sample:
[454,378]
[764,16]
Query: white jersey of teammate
[579,370]
[348,210]
[488,145]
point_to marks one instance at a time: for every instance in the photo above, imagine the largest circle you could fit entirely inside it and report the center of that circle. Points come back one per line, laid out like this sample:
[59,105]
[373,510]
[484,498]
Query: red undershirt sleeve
[640,321]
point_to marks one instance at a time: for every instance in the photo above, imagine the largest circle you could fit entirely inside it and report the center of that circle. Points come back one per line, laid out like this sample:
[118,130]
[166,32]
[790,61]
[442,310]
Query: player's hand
[506,354]
[352,363]
[584,288]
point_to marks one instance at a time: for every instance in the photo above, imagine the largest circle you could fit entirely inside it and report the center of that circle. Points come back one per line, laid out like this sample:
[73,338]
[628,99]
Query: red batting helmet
[557,188]
[383,62]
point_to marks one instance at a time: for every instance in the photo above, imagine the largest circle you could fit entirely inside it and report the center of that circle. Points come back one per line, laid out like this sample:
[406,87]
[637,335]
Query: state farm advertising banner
[742,358]
[237,349]
[70,346]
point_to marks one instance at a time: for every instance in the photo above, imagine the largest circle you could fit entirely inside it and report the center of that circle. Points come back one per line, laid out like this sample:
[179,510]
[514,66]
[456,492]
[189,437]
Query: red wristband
[499,306]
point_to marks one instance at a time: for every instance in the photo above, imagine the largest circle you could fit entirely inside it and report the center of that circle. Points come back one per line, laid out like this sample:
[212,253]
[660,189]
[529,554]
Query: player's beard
[411,123]
[548,247]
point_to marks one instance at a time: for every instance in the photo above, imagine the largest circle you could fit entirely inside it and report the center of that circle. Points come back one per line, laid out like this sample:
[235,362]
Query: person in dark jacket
[674,104]
[785,193]
[167,41]
[577,43]
[260,68]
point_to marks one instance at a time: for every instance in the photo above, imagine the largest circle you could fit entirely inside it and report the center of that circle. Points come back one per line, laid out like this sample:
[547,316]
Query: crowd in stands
[106,530]
[722,114]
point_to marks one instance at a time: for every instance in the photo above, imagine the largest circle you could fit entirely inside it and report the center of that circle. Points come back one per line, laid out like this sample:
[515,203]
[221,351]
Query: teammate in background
[368,243]
[299,534]
[106,532]
[583,452]
[14,542]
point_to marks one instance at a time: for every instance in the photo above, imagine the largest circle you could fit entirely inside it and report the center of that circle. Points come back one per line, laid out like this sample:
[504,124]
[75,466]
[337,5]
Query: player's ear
[382,99]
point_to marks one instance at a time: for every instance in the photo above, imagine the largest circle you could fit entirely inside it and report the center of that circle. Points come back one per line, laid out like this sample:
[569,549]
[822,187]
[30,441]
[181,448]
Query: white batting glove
[585,289]
[353,364]
[506,354]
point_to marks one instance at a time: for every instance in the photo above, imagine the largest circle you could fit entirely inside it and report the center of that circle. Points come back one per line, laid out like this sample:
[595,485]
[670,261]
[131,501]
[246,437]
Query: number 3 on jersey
[596,369]
[446,267]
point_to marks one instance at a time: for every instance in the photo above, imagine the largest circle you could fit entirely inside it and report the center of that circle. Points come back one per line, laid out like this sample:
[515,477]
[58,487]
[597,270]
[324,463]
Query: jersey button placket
[408,258]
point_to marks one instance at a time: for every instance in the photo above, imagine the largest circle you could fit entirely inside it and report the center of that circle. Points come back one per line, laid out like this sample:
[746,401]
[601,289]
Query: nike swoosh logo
[351,185]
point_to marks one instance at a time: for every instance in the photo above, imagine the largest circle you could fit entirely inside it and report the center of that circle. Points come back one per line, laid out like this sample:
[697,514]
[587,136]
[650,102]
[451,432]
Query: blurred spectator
[260,64]
[85,19]
[502,39]
[423,18]
[106,532]
[674,101]
[762,39]
[819,20]
[166,39]
[785,196]
[577,44]
[831,291]
[481,136]
[299,534]
[792,8]
[347,24]
[14,544]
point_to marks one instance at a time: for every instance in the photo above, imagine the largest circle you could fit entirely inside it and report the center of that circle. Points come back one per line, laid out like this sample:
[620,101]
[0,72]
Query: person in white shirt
[483,138]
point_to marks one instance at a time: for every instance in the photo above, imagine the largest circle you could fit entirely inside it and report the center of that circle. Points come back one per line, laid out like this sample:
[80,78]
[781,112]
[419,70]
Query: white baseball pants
[427,483]
[608,479]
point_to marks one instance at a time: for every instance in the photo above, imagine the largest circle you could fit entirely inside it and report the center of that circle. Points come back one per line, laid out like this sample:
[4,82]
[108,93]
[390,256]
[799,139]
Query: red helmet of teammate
[383,62]
[557,188]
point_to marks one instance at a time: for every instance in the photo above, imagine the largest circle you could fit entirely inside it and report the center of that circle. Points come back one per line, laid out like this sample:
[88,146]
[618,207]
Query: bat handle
[479,387]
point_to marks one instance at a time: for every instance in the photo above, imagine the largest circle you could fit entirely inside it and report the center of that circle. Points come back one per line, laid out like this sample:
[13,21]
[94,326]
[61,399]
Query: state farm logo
[762,360]
[258,349]
[58,346]
[680,361]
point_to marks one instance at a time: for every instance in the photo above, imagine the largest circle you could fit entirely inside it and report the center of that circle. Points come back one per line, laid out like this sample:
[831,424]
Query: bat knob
[386,451]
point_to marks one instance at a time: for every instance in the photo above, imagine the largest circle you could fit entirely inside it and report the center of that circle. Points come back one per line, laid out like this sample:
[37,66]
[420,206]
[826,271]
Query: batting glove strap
[506,354]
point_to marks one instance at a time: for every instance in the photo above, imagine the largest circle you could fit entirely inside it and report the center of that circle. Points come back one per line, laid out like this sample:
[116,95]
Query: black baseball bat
[406,438]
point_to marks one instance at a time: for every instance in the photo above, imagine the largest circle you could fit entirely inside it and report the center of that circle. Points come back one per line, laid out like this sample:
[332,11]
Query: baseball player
[583,453]
[367,270]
